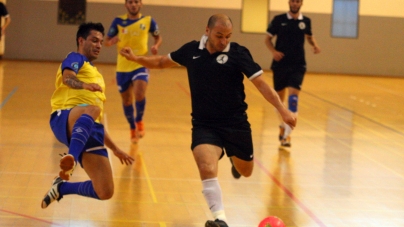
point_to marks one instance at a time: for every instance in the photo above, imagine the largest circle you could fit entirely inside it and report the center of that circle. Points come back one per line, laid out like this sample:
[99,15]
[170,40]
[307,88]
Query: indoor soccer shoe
[53,193]
[140,129]
[67,165]
[281,132]
[216,223]
[286,142]
[234,171]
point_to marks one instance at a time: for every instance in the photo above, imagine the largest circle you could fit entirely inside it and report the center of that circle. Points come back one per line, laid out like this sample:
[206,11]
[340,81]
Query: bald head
[222,19]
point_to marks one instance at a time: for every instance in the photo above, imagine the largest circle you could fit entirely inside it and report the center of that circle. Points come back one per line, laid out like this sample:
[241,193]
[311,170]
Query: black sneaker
[53,193]
[216,223]
[234,171]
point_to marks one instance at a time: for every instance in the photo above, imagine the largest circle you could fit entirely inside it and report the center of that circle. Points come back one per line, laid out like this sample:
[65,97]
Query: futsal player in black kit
[289,64]
[216,69]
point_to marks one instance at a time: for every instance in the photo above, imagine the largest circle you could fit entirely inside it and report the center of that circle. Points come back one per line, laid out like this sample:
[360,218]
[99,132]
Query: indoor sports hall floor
[345,167]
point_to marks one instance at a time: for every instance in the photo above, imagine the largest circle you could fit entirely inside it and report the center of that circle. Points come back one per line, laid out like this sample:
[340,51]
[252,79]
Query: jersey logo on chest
[222,58]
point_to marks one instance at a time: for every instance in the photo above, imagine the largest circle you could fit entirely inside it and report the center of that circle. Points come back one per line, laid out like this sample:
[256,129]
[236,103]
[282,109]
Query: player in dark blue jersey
[289,64]
[216,69]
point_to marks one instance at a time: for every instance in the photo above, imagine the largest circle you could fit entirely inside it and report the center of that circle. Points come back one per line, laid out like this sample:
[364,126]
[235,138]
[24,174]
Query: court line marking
[290,194]
[147,176]
[29,217]
[355,113]
[8,97]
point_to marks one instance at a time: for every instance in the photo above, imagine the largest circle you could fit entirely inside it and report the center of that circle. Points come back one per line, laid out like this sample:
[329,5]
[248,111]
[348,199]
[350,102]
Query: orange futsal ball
[272,221]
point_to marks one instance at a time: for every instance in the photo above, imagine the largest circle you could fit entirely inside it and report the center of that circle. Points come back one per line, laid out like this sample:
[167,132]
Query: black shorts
[235,139]
[288,77]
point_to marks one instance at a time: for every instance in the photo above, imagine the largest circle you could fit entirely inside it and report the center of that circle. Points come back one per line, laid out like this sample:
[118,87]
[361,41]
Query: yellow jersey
[65,97]
[132,33]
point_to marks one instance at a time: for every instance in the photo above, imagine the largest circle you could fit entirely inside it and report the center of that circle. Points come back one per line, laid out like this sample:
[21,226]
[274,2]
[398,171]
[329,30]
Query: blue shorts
[124,80]
[95,143]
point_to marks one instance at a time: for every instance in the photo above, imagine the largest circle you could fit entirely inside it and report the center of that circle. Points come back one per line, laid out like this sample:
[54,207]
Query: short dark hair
[86,28]
[214,18]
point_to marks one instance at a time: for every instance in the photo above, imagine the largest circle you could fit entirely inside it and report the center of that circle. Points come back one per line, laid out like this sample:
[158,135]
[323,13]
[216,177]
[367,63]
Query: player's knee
[105,193]
[207,169]
[293,100]
[93,111]
[245,168]
[245,172]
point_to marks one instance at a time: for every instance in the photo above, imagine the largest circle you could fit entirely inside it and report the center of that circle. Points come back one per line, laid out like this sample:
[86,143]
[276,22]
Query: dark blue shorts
[95,143]
[235,138]
[124,80]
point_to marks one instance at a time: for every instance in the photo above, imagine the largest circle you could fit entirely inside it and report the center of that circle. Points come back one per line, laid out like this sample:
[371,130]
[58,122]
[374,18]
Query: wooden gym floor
[345,167]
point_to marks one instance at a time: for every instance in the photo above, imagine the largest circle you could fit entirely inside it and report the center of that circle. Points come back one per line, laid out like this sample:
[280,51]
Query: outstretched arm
[151,62]
[272,97]
[70,79]
[123,157]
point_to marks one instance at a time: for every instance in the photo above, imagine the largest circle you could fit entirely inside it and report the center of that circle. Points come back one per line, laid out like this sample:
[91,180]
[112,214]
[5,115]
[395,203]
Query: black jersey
[216,80]
[290,39]
[3,12]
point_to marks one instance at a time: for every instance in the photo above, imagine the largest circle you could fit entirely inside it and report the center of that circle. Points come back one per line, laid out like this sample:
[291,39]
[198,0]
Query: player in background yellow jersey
[76,121]
[132,30]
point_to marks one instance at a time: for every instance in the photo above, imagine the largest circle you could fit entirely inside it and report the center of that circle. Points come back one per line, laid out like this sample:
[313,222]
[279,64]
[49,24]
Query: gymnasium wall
[35,35]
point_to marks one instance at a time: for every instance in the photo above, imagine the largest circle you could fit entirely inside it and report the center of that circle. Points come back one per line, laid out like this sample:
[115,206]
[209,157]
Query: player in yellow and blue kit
[77,107]
[132,30]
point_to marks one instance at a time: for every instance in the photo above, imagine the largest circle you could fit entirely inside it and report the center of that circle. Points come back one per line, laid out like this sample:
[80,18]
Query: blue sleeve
[113,29]
[154,28]
[73,61]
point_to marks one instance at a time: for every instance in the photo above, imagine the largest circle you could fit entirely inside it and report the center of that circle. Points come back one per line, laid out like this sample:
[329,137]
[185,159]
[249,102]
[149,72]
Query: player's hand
[123,157]
[92,87]
[316,49]
[154,49]
[113,40]
[277,55]
[127,53]
[289,118]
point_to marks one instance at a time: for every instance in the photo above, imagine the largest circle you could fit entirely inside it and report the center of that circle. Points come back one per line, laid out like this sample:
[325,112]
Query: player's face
[133,6]
[219,36]
[294,5]
[91,46]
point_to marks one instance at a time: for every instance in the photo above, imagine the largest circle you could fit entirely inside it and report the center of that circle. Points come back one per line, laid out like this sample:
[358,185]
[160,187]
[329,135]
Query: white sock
[213,196]
[288,131]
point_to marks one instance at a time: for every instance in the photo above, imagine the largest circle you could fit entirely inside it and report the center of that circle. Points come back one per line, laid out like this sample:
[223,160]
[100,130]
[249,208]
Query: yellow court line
[153,194]
[162,224]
